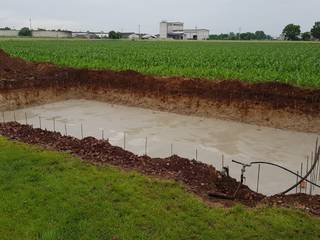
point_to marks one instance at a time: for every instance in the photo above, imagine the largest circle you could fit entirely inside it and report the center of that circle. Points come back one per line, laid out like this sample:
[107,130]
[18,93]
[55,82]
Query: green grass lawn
[50,195]
[295,63]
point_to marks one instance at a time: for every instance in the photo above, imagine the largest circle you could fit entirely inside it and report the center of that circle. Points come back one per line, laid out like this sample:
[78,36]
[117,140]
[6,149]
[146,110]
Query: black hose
[288,170]
[316,157]
[305,178]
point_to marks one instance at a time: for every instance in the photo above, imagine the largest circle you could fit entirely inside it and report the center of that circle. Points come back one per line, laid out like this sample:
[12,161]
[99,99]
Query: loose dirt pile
[198,177]
[268,104]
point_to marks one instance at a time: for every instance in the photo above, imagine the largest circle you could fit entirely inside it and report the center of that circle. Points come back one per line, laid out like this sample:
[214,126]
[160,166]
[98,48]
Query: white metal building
[196,34]
[51,34]
[9,33]
[171,30]
[175,30]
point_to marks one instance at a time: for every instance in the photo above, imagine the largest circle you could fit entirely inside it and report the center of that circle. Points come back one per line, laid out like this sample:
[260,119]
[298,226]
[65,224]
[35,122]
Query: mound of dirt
[198,177]
[301,201]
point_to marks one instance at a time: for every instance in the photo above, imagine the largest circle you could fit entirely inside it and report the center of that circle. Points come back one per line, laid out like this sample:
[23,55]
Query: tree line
[258,35]
[293,32]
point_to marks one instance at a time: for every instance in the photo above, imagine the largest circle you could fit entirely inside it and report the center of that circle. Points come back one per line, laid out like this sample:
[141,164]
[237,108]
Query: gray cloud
[216,15]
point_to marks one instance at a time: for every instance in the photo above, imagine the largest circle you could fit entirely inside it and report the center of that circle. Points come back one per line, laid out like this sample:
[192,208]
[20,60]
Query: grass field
[293,63]
[50,195]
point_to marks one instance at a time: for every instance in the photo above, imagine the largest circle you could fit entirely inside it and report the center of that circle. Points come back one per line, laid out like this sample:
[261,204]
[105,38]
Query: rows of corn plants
[292,63]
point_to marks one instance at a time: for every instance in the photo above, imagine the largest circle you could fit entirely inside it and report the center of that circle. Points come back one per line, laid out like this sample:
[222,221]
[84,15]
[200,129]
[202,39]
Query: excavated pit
[274,105]
[204,139]
[264,104]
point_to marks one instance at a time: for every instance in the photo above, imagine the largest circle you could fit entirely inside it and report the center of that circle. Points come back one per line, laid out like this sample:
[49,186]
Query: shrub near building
[25,32]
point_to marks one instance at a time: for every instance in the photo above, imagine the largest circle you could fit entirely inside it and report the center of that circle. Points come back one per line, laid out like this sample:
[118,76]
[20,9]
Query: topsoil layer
[201,179]
[269,104]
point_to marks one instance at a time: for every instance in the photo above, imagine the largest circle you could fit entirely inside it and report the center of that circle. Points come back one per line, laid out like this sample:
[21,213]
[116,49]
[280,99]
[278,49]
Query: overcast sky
[125,15]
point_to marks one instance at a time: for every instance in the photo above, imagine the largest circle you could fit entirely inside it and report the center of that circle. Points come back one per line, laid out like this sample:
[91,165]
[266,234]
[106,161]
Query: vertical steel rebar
[65,129]
[171,150]
[311,175]
[54,124]
[222,161]
[14,116]
[297,182]
[81,131]
[316,173]
[301,174]
[307,170]
[26,116]
[102,134]
[40,124]
[196,154]
[124,140]
[146,147]
[258,178]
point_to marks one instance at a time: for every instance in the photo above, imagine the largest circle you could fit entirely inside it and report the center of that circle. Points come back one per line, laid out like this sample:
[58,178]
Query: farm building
[175,30]
[85,35]
[133,36]
[127,34]
[102,34]
[37,34]
[9,33]
[196,34]
[51,34]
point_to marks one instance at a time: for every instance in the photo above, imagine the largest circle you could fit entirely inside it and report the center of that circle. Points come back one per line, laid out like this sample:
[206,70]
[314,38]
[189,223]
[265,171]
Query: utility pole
[139,31]
[239,33]
[30,23]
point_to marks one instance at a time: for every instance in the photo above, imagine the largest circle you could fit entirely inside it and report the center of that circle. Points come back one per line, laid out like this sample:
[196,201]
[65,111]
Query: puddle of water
[187,136]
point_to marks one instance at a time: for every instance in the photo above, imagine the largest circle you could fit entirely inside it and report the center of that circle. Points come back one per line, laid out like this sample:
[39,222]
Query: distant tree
[315,31]
[247,36]
[260,35]
[25,32]
[114,35]
[292,32]
[233,36]
[306,36]
[5,28]
[269,37]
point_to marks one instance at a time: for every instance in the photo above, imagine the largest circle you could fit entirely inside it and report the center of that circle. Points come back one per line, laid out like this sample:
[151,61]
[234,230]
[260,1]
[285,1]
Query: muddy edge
[266,104]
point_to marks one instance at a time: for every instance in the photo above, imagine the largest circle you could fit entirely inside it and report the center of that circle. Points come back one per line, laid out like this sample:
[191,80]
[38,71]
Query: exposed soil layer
[201,179]
[267,104]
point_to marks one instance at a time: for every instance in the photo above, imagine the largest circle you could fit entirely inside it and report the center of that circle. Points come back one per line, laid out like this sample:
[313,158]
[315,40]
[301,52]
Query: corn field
[293,63]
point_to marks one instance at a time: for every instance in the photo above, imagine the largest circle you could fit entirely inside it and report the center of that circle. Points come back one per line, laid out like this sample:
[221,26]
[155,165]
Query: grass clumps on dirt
[50,195]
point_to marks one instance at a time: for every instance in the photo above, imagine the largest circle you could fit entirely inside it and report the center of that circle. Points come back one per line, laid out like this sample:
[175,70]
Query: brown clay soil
[267,104]
[199,178]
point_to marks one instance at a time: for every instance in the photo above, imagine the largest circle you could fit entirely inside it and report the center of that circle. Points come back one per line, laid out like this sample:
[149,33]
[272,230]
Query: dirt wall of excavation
[267,104]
